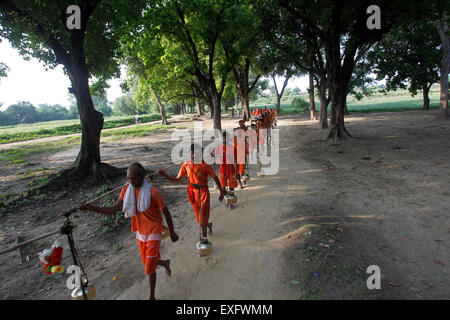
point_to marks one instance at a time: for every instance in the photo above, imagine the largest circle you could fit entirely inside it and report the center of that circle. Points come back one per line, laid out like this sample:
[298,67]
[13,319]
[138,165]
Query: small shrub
[300,105]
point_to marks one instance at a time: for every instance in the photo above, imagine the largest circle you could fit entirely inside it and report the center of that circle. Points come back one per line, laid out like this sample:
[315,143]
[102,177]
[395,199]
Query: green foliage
[22,112]
[408,57]
[41,32]
[3,70]
[38,182]
[300,105]
[125,105]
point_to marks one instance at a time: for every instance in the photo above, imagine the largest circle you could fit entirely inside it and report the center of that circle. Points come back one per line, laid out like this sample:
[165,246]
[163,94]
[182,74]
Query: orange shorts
[194,200]
[228,179]
[150,254]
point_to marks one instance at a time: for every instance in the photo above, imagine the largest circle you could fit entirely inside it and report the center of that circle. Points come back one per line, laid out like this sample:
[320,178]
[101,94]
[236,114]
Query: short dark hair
[139,167]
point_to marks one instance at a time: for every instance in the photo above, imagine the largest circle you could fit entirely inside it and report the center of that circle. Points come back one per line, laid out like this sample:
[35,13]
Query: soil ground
[308,232]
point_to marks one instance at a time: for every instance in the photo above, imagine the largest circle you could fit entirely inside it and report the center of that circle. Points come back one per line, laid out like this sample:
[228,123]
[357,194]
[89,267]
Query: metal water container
[77,293]
[204,247]
[230,199]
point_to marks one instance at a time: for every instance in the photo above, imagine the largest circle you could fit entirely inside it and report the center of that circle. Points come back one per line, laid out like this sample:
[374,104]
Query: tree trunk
[442,27]
[311,97]
[183,107]
[215,105]
[280,94]
[337,87]
[162,109]
[245,109]
[199,107]
[177,108]
[337,130]
[241,75]
[324,101]
[345,105]
[88,161]
[426,99]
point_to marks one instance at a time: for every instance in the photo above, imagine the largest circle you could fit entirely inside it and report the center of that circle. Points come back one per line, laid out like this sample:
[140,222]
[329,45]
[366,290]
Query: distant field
[58,128]
[397,101]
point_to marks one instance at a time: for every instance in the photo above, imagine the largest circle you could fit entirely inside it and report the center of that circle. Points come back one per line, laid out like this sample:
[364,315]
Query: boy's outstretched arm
[104,210]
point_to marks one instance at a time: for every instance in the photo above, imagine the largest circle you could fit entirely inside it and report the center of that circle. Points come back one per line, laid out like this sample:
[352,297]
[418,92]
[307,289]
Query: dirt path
[248,244]
[308,232]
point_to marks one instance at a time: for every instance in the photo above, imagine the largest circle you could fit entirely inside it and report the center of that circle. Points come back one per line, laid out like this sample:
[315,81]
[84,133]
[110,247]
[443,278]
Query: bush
[300,105]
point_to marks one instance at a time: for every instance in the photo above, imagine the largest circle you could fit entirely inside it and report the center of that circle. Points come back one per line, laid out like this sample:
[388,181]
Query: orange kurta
[148,227]
[198,174]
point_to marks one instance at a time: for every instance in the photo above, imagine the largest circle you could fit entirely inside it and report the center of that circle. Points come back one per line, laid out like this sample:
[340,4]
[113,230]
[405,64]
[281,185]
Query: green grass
[138,131]
[58,128]
[395,101]
[21,155]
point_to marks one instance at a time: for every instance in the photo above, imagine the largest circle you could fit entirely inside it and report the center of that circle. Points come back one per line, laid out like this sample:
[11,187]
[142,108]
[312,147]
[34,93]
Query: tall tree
[90,50]
[204,30]
[442,27]
[344,32]
[408,57]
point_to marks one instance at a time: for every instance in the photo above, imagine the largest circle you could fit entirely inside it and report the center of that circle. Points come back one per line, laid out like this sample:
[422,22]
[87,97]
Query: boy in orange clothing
[144,205]
[241,144]
[197,175]
[227,159]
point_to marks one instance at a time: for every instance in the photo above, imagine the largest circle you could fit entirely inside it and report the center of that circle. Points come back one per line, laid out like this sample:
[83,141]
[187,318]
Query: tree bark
[215,105]
[280,94]
[345,105]
[426,99]
[442,27]
[311,97]
[245,109]
[244,88]
[199,104]
[88,160]
[162,109]
[337,93]
[324,101]
[339,77]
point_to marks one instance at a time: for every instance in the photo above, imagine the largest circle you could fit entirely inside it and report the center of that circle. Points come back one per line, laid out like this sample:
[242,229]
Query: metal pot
[230,199]
[247,177]
[77,293]
[204,247]
[261,173]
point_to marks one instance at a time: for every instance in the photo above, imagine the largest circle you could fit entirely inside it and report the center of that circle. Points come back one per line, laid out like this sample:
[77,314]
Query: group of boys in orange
[147,222]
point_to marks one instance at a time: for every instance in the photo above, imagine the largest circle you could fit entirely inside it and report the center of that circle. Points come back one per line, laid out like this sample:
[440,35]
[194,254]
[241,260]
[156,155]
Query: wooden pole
[66,214]
[29,241]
